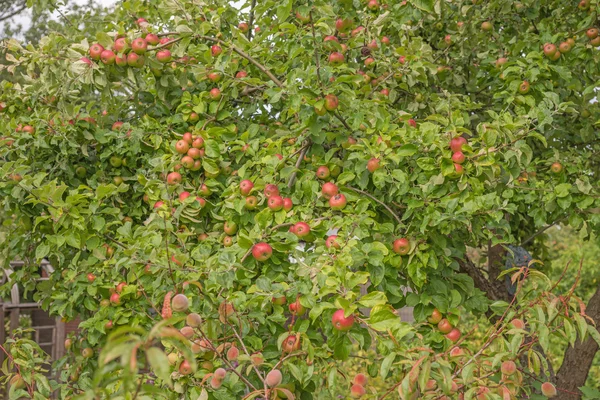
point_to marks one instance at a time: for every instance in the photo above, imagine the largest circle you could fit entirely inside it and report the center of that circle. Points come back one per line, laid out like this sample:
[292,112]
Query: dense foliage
[244,198]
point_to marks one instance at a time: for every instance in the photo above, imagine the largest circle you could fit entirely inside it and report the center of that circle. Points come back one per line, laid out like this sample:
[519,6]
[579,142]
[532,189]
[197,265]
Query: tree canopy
[236,200]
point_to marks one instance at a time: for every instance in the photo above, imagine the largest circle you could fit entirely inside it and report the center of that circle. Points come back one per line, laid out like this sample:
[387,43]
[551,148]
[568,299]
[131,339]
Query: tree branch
[251,19]
[298,162]
[377,201]
[12,14]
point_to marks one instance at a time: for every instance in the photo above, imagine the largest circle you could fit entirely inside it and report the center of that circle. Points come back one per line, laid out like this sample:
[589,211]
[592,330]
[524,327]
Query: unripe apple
[304,19]
[331,39]
[251,202]
[331,102]
[453,335]
[343,25]
[486,26]
[271,190]
[548,389]
[556,168]
[435,317]
[508,368]
[296,308]
[524,87]
[257,359]
[96,51]
[87,352]
[595,41]
[401,246]
[337,202]
[340,322]
[121,60]
[107,57]
[173,358]
[262,251]
[163,56]
[373,165]
[68,343]
[368,62]
[274,378]
[458,157]
[288,204]
[291,344]
[445,326]
[214,94]
[180,303]
[214,76]
[332,242]
[279,300]
[135,60]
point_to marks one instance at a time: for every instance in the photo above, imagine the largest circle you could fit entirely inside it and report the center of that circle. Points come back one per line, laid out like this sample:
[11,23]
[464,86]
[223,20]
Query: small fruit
[401,246]
[163,56]
[245,187]
[220,373]
[187,332]
[115,299]
[262,251]
[550,49]
[357,391]
[501,61]
[271,190]
[300,229]
[152,39]
[230,227]
[340,322]
[331,102]
[278,300]
[564,47]
[216,50]
[435,317]
[275,203]
[274,378]
[591,33]
[518,323]
[287,204]
[215,383]
[556,168]
[332,242]
[233,353]
[214,94]
[107,57]
[323,172]
[456,143]
[458,157]
[360,379]
[296,308]
[251,202]
[445,326]
[185,368]
[193,320]
[524,87]
[373,165]
[243,27]
[548,389]
[508,367]
[329,190]
[486,26]
[338,202]
[87,352]
[291,343]
[453,335]
[180,303]
[336,58]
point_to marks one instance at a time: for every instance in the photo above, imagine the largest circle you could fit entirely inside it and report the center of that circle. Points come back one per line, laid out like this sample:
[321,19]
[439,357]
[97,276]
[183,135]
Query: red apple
[216,50]
[139,46]
[300,229]
[458,157]
[323,172]
[332,242]
[401,246]
[453,335]
[337,202]
[245,187]
[107,57]
[121,45]
[287,204]
[331,102]
[445,326]
[96,51]
[275,203]
[163,56]
[336,58]
[152,39]
[174,178]
[340,322]
[329,190]
[373,165]
[296,308]
[271,190]
[457,143]
[262,251]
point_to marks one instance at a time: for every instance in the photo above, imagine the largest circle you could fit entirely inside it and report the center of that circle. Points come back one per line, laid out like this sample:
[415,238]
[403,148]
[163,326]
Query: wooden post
[2,333]
[59,339]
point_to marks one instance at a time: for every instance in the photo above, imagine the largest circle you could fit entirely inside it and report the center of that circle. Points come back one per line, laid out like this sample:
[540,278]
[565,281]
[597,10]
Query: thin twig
[338,116]
[251,20]
[377,201]
[292,179]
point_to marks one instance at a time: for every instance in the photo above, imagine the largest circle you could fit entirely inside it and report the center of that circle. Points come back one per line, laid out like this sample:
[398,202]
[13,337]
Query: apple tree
[237,198]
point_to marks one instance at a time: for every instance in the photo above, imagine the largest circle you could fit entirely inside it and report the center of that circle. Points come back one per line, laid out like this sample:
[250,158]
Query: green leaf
[372,299]
[160,364]
[386,364]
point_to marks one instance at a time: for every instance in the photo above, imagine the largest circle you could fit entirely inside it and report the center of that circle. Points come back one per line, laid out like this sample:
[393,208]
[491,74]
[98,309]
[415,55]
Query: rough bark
[495,290]
[578,359]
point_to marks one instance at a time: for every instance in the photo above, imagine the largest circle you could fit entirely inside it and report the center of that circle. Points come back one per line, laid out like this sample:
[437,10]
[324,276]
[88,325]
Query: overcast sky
[24,18]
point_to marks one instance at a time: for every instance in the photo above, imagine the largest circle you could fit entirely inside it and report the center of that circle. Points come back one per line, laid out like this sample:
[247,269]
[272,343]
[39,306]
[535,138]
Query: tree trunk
[578,359]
